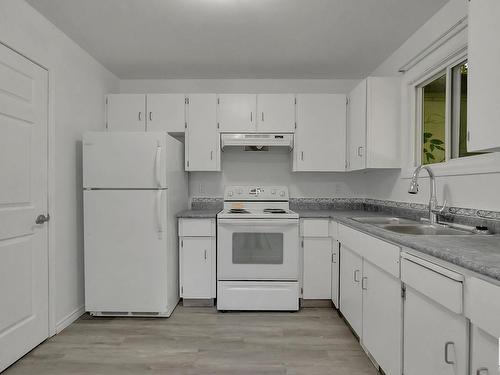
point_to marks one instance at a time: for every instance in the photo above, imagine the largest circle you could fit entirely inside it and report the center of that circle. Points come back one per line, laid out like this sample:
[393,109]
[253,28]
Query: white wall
[77,85]
[474,191]
[272,167]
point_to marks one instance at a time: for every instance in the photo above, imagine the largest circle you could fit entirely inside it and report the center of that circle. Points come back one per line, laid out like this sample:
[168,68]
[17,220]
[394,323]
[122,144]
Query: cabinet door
[166,112]
[196,267]
[484,76]
[382,317]
[320,137]
[202,137]
[351,297]
[275,113]
[335,273]
[435,339]
[484,353]
[236,113]
[126,112]
[356,129]
[317,268]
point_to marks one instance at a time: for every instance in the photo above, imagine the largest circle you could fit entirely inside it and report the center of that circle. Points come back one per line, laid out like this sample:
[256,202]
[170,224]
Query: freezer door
[124,160]
[125,250]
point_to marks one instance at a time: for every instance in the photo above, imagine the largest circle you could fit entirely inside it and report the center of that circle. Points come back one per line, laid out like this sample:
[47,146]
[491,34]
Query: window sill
[481,164]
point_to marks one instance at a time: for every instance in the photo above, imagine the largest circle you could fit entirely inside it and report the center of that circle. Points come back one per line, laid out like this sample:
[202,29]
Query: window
[443,115]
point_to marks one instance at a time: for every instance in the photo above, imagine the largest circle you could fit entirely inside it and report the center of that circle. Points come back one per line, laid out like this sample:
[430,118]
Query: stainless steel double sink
[407,226]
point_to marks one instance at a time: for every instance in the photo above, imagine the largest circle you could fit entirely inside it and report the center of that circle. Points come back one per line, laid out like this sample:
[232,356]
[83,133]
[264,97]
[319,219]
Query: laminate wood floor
[313,341]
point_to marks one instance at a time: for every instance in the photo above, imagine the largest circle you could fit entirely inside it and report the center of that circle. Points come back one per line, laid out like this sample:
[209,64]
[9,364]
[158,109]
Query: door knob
[40,219]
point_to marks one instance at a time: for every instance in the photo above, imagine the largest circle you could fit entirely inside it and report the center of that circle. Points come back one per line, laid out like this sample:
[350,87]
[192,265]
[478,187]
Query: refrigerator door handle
[158,164]
[159,216]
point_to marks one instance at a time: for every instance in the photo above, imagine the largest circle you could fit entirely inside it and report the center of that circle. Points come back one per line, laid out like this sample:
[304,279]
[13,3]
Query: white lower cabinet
[335,276]
[435,330]
[382,317]
[484,353]
[197,253]
[435,339]
[317,268]
[351,297]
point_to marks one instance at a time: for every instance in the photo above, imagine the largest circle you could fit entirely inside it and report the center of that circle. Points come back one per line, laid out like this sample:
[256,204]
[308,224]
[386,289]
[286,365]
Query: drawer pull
[356,278]
[364,283]
[446,359]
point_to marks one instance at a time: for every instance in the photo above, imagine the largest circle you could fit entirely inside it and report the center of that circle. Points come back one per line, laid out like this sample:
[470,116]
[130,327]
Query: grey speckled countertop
[477,253]
[198,214]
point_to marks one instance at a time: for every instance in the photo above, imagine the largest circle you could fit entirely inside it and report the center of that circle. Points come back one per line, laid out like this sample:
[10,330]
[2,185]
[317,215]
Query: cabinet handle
[150,116]
[205,255]
[360,149]
[356,273]
[211,155]
[140,116]
[251,116]
[446,359]
[364,282]
[262,116]
[302,155]
[482,371]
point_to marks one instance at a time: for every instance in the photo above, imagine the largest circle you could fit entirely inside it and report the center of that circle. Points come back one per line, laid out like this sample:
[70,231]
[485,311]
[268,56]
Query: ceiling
[239,38]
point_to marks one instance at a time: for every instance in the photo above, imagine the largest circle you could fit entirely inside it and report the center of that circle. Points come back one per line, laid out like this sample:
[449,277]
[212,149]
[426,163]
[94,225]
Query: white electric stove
[257,250]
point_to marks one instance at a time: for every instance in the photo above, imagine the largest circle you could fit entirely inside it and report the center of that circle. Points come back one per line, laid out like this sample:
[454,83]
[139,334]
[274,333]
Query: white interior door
[23,196]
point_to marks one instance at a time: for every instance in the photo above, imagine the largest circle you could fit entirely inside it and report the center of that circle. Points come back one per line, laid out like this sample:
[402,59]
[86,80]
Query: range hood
[257,141]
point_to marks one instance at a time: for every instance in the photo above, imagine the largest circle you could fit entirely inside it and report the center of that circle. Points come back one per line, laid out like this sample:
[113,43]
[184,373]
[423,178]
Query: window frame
[412,139]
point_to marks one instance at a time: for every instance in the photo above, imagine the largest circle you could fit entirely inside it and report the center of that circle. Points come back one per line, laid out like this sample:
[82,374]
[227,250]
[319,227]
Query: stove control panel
[256,193]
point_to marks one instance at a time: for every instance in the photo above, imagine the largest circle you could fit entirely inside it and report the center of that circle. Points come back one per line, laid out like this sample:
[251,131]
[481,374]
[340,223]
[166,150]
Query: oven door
[258,249]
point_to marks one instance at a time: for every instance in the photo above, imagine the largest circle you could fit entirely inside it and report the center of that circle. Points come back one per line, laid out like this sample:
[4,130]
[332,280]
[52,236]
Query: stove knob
[273,192]
[230,193]
[282,193]
[239,191]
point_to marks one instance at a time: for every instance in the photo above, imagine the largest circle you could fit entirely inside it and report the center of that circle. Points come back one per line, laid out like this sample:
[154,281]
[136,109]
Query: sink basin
[423,229]
[375,220]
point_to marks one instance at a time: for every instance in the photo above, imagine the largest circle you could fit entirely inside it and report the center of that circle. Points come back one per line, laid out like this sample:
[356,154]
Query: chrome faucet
[433,202]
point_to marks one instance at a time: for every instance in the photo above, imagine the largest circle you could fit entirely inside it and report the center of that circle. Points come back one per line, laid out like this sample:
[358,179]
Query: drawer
[196,227]
[376,251]
[483,305]
[314,227]
[436,282]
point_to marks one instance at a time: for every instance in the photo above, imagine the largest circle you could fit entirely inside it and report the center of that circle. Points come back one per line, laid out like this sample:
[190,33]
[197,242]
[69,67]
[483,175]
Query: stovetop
[257,213]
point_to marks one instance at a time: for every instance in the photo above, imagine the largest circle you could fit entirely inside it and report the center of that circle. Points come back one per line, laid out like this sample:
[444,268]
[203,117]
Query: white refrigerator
[134,185]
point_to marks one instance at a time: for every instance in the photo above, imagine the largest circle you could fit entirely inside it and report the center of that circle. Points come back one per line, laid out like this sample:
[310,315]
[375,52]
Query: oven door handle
[246,222]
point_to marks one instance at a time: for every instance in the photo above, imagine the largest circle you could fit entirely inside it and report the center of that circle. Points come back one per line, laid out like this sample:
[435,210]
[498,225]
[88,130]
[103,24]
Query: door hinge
[295,102]
[301,290]
[295,124]
[185,125]
[218,101]
[106,101]
[403,292]
[182,243]
[186,100]
[346,101]
[302,243]
[182,289]
[218,126]
[187,163]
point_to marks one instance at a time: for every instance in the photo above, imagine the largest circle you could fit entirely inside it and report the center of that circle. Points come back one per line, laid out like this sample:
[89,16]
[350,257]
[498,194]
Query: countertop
[477,253]
[198,214]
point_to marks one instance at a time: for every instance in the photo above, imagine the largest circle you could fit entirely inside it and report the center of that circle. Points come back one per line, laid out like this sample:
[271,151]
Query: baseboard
[70,318]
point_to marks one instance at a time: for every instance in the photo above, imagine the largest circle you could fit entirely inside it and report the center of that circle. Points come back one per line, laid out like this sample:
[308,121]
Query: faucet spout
[433,202]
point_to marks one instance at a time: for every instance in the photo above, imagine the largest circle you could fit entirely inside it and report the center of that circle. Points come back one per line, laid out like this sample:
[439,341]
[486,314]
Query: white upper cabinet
[236,113]
[152,112]
[483,76]
[374,121]
[165,112]
[126,112]
[202,138]
[275,113]
[320,136]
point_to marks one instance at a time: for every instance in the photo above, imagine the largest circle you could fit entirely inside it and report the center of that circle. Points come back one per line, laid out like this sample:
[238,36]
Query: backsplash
[415,211]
